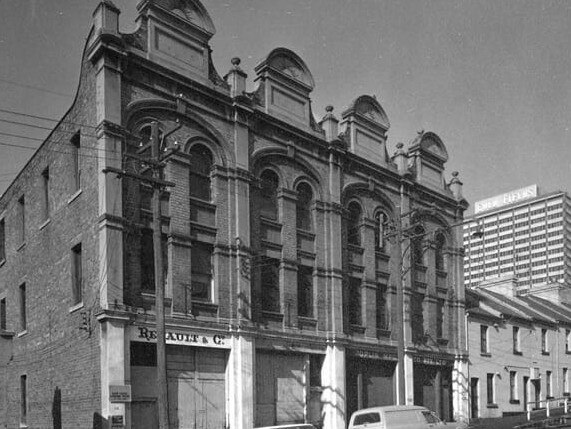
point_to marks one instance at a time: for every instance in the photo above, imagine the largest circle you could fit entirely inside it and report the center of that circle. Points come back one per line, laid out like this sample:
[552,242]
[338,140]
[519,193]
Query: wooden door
[144,414]
[475,398]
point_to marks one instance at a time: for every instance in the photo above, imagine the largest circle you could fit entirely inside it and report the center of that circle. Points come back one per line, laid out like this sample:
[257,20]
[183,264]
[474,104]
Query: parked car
[399,417]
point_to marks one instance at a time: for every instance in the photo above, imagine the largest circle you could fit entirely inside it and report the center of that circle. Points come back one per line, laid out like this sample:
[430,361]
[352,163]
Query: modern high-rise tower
[520,233]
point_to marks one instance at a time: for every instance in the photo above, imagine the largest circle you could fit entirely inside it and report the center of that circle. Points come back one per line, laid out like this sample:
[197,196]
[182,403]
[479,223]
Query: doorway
[474,394]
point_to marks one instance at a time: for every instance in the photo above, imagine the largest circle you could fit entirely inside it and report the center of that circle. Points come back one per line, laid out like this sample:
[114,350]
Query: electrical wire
[44,118]
[37,88]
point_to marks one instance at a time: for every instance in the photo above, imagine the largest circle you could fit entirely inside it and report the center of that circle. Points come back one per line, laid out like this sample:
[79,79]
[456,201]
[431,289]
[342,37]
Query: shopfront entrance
[196,387]
[281,388]
[433,388]
[369,383]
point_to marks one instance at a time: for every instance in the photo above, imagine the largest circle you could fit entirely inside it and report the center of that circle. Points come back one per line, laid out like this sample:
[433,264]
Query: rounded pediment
[370,108]
[288,63]
[431,142]
[190,10]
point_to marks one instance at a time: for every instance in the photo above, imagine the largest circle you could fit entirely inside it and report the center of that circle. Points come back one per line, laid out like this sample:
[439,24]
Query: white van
[399,417]
[292,426]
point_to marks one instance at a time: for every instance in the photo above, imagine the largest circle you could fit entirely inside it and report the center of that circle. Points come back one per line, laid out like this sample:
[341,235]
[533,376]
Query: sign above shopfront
[505,199]
[180,337]
[372,354]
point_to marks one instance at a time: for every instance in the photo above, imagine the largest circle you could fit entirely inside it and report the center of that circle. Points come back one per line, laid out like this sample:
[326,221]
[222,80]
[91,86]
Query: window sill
[75,307]
[518,353]
[44,224]
[485,354]
[2,262]
[492,406]
[6,334]
[22,333]
[544,353]
[272,315]
[74,196]
[383,333]
[204,305]
[568,352]
[307,321]
[21,246]
[566,394]
[514,401]
[356,329]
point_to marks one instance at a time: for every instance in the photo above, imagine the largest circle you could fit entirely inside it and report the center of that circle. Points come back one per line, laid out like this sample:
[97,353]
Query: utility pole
[400,313]
[156,164]
[162,393]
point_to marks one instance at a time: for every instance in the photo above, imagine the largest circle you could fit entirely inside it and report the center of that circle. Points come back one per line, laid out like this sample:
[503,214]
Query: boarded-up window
[270,291]
[303,207]
[200,169]
[201,263]
[305,291]
[354,224]
[269,195]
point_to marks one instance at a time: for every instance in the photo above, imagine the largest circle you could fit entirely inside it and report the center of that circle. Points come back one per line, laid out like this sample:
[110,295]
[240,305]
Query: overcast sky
[491,78]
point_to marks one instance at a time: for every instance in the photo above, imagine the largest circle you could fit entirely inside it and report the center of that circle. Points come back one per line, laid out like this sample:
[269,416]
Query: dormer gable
[365,125]
[284,85]
[176,34]
[428,155]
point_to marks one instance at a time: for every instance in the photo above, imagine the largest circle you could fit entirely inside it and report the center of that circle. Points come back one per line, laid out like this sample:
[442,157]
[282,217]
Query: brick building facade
[282,266]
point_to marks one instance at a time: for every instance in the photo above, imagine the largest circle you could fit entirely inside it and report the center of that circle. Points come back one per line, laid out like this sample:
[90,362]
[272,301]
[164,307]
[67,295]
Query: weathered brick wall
[53,352]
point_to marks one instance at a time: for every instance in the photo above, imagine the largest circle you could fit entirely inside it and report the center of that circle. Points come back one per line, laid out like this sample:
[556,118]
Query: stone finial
[106,18]
[236,78]
[455,186]
[330,123]
[400,158]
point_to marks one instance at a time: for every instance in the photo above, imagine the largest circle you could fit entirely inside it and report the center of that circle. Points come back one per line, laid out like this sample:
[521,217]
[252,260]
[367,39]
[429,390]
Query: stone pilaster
[333,380]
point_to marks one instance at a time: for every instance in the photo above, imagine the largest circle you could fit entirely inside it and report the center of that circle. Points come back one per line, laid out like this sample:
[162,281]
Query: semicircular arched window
[303,207]
[416,244]
[269,195]
[354,224]
[381,224]
[200,168]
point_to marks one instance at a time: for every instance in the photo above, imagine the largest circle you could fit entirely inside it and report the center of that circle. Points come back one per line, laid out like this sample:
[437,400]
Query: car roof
[390,408]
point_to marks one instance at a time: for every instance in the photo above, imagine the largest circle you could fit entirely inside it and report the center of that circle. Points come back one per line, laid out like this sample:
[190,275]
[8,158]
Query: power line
[21,136]
[44,118]
[37,88]
[38,126]
[57,151]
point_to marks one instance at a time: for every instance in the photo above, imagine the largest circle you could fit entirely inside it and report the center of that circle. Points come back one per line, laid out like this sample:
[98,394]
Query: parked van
[292,426]
[399,417]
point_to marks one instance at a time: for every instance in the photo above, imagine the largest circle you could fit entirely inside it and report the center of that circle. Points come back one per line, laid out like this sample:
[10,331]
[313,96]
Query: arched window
[416,244]
[440,242]
[269,195]
[303,207]
[354,224]
[381,224]
[200,168]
